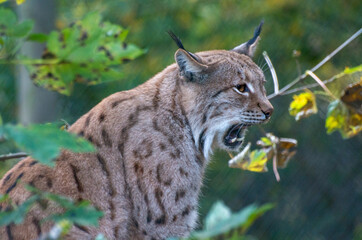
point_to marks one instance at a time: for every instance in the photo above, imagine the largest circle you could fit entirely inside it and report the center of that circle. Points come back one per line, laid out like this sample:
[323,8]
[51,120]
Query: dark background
[319,196]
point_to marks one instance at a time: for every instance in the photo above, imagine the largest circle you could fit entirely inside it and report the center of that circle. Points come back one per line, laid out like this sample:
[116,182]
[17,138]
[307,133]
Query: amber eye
[242,88]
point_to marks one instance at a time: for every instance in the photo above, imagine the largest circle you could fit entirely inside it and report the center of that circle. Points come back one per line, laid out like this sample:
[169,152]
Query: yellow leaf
[347,121]
[254,161]
[2,1]
[335,116]
[354,125]
[303,105]
[332,124]
[19,2]
[281,148]
[257,162]
[264,142]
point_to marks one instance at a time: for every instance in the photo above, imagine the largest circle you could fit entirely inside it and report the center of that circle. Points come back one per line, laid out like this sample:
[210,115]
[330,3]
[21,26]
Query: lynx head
[225,92]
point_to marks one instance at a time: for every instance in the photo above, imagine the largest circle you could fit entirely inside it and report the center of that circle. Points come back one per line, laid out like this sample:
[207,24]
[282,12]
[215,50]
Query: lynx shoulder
[153,144]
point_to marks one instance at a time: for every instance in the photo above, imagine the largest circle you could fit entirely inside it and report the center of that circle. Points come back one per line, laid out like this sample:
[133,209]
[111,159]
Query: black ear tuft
[176,39]
[248,48]
[256,33]
[180,45]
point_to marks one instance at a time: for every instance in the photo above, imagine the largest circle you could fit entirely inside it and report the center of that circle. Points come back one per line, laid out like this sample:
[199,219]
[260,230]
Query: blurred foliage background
[319,196]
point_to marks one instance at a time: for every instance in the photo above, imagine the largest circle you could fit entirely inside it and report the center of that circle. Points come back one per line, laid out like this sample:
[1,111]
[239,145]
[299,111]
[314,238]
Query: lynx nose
[267,109]
[268,112]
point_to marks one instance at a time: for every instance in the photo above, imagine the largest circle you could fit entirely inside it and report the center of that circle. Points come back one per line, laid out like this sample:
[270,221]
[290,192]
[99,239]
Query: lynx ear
[189,66]
[249,47]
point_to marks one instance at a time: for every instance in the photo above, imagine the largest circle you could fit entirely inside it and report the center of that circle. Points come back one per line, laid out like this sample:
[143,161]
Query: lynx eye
[241,88]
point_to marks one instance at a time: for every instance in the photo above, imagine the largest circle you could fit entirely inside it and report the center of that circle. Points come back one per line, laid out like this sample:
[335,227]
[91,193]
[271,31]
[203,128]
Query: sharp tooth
[240,139]
[233,140]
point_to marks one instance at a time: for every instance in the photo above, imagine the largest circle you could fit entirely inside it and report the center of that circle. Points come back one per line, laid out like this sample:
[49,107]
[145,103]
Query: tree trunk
[35,104]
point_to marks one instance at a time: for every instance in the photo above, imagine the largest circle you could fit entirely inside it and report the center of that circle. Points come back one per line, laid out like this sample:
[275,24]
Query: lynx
[153,145]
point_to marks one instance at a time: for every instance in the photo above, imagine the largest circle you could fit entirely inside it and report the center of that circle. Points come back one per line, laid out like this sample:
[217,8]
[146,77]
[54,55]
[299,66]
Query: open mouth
[235,135]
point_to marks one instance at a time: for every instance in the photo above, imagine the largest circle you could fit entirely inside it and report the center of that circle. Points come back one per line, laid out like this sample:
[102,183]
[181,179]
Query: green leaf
[10,33]
[348,71]
[353,69]
[244,218]
[254,161]
[60,200]
[61,77]
[7,19]
[9,26]
[266,141]
[100,237]
[38,37]
[90,52]
[255,215]
[44,141]
[81,213]
[4,198]
[219,212]
[17,215]
[257,161]
[22,29]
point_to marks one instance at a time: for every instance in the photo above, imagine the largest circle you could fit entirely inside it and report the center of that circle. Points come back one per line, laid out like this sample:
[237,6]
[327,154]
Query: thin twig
[312,85]
[275,167]
[320,82]
[13,155]
[272,71]
[327,58]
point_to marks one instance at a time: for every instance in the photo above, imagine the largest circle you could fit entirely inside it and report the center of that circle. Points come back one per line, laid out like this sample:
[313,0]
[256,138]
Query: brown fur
[153,144]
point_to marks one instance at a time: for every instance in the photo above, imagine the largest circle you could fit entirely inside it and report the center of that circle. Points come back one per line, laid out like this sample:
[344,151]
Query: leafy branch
[344,112]
[89,51]
[80,213]
[279,150]
[221,222]
[34,138]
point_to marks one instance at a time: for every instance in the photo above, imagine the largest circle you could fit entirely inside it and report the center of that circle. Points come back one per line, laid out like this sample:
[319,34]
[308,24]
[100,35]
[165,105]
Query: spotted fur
[153,144]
